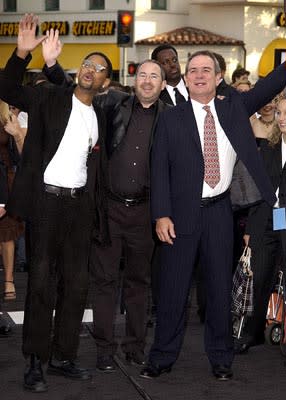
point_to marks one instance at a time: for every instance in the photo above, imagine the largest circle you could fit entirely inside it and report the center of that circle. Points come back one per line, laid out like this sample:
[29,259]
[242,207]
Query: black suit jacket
[223,89]
[259,215]
[49,111]
[177,160]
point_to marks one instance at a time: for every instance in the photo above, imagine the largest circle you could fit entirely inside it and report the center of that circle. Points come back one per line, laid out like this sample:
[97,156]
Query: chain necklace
[266,123]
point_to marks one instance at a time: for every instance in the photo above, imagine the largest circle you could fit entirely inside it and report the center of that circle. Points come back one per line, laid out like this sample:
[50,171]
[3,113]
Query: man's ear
[106,83]
[164,83]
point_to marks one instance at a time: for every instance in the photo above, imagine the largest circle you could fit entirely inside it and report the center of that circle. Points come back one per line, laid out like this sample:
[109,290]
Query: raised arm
[27,40]
[51,47]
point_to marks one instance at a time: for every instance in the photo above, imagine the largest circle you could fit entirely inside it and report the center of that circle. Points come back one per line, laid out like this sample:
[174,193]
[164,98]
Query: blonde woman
[10,227]
[267,244]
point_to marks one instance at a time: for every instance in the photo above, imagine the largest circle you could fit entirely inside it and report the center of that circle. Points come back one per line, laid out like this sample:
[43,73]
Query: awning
[71,57]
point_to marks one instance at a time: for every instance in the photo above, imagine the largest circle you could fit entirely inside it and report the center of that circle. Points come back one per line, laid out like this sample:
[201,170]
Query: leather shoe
[105,364]
[68,369]
[135,358]
[33,378]
[222,372]
[152,371]
[5,331]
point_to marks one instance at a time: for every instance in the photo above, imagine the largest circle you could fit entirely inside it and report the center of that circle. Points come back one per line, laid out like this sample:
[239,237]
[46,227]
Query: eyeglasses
[96,67]
[143,76]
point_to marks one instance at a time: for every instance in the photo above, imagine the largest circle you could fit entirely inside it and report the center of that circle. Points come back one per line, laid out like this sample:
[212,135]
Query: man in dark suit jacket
[57,188]
[191,215]
[167,57]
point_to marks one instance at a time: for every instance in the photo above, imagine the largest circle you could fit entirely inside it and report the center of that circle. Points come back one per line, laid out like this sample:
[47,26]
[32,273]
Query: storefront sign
[93,28]
[9,28]
[62,26]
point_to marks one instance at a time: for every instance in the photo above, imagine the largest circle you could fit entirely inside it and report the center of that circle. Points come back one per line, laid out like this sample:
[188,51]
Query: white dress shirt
[182,89]
[283,154]
[227,155]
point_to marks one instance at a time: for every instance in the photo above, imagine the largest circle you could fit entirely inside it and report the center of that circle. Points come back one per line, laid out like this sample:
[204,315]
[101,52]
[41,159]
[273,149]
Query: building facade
[258,32]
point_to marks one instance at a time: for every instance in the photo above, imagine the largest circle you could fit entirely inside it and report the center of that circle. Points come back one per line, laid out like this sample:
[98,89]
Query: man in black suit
[222,88]
[58,189]
[191,205]
[175,91]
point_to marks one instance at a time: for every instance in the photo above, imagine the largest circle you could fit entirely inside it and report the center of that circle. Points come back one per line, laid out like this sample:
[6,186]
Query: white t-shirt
[68,166]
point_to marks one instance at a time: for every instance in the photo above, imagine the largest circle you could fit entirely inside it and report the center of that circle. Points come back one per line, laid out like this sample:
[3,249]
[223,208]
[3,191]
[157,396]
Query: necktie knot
[207,108]
[178,96]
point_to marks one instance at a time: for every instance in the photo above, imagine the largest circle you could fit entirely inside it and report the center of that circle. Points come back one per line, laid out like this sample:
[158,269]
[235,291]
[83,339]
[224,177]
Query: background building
[250,33]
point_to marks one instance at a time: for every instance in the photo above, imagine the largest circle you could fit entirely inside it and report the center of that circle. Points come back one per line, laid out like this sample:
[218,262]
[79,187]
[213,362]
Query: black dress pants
[130,231]
[60,243]
[266,252]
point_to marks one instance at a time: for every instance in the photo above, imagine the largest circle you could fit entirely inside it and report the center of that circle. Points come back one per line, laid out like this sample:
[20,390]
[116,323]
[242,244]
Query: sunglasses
[96,67]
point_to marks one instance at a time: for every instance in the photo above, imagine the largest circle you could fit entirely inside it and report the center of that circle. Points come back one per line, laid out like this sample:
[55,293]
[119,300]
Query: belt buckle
[128,202]
[73,193]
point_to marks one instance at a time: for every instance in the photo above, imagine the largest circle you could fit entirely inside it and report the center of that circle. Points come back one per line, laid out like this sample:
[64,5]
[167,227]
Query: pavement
[258,375]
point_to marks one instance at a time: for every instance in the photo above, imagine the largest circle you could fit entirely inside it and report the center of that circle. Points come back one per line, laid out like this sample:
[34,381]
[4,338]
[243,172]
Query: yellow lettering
[102,27]
[75,28]
[89,28]
[95,28]
[63,30]
[109,26]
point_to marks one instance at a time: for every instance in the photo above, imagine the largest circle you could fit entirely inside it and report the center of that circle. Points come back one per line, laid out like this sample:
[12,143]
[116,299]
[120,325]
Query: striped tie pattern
[211,157]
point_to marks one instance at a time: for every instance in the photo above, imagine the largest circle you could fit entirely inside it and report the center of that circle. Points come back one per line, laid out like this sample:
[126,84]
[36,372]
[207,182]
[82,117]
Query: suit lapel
[188,122]
[166,98]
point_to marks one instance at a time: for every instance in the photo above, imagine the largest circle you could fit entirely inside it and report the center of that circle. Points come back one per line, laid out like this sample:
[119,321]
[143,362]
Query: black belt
[64,192]
[128,202]
[207,201]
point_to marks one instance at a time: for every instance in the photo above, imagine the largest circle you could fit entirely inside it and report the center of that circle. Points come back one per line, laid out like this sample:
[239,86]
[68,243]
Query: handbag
[242,288]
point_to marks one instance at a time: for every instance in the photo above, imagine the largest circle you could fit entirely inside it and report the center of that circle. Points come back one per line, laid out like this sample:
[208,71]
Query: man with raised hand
[58,189]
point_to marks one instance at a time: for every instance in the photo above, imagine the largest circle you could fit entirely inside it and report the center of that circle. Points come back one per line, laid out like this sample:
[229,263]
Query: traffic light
[125,28]
[132,67]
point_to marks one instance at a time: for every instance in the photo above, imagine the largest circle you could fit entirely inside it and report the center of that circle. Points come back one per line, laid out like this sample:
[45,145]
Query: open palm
[27,40]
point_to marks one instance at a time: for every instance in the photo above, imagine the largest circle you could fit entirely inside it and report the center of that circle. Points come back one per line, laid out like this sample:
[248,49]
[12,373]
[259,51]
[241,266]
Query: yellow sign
[62,26]
[93,28]
[280,19]
[9,28]
[267,60]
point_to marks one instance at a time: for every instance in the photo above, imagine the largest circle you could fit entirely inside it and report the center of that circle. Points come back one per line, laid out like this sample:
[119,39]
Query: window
[158,4]
[10,5]
[52,5]
[96,4]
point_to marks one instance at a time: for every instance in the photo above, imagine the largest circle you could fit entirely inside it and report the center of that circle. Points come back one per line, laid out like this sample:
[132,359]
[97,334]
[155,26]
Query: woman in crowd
[10,227]
[262,126]
[267,244]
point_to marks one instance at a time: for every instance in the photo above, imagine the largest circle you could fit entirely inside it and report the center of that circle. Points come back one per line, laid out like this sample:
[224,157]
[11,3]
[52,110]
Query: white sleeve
[23,119]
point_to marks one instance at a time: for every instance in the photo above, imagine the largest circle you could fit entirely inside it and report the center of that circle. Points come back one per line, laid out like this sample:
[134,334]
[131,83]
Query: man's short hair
[158,49]
[204,53]
[238,73]
[163,74]
[108,62]
[221,61]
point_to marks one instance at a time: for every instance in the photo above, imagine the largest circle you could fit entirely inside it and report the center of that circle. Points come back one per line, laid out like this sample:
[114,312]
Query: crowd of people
[105,175]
